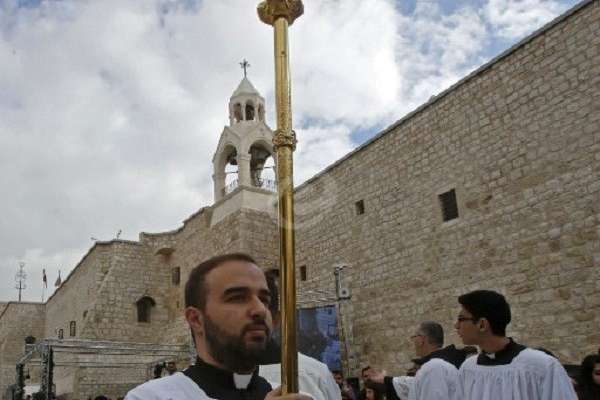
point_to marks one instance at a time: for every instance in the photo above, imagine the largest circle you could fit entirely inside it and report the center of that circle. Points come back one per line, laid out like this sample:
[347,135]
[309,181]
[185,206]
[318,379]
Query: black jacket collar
[502,357]
[221,384]
[449,354]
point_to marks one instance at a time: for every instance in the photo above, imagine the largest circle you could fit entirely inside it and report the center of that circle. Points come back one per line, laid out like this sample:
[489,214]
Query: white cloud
[513,19]
[110,110]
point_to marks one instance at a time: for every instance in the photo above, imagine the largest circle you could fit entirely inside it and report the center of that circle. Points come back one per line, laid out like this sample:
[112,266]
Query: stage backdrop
[318,335]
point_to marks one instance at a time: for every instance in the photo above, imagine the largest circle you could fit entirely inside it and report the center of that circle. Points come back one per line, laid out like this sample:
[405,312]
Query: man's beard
[232,351]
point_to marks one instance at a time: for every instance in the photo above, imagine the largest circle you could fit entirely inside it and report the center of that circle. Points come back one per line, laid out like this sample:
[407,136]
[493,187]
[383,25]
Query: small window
[303,273]
[359,207]
[449,205]
[61,334]
[176,276]
[72,329]
[144,307]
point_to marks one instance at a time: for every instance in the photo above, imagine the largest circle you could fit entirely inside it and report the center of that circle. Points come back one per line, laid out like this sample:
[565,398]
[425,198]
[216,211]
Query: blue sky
[110,110]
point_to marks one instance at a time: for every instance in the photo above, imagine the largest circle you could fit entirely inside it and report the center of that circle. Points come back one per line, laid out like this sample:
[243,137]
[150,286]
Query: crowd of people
[428,343]
[232,310]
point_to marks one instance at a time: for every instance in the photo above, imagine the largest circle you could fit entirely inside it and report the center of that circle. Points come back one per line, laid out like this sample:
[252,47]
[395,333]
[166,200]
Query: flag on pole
[44,278]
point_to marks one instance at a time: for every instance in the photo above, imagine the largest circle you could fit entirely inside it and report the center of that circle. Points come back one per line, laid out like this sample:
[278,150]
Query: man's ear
[195,320]
[484,325]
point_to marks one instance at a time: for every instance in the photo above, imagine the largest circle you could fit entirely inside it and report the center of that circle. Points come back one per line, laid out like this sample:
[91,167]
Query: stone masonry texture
[519,143]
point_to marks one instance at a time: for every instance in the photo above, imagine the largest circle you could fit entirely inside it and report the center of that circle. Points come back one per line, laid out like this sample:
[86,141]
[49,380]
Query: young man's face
[236,321]
[467,328]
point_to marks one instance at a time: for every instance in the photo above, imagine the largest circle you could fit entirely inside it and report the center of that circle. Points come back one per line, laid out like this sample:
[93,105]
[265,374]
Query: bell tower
[243,163]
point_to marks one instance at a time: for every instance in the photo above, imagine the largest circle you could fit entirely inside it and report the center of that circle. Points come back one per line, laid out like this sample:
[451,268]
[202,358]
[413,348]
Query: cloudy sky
[110,110]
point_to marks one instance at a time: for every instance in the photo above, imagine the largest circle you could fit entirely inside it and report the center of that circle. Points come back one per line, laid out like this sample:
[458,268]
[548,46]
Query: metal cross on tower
[20,278]
[245,65]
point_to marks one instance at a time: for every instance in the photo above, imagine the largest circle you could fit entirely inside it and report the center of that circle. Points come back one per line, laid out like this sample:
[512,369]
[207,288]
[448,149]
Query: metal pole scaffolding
[281,14]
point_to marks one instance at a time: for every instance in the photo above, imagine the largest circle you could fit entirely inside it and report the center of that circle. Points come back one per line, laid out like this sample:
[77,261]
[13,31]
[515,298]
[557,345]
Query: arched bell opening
[262,167]
[237,112]
[229,169]
[249,110]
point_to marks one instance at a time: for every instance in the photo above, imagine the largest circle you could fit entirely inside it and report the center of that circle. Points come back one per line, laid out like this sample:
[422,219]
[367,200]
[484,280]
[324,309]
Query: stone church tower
[240,161]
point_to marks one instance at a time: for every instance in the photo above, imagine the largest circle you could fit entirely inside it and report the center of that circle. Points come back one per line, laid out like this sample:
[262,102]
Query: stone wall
[78,293]
[18,321]
[519,141]
[245,230]
[134,272]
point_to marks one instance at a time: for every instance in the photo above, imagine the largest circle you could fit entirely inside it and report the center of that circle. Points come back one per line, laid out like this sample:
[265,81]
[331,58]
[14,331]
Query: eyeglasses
[416,335]
[461,319]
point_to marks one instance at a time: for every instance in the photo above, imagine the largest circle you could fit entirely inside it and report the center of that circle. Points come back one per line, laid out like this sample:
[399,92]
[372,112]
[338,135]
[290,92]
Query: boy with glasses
[505,370]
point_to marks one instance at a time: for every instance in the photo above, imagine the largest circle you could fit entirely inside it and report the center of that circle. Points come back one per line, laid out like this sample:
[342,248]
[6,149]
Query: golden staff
[280,14]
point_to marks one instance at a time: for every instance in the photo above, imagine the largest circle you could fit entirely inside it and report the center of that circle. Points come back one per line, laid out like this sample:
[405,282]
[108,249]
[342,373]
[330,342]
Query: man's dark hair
[489,305]
[433,332]
[195,289]
[368,367]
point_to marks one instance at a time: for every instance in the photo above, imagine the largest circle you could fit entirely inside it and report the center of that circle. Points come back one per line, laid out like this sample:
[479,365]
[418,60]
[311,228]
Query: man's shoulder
[437,363]
[174,387]
[536,359]
[312,364]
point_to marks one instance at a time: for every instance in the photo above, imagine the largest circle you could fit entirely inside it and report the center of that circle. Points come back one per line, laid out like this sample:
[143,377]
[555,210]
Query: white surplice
[436,380]
[531,375]
[314,378]
[403,385]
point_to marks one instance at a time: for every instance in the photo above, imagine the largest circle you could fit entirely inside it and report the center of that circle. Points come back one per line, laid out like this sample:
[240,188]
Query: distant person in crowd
[437,378]
[588,384]
[171,367]
[372,394]
[227,304]
[314,377]
[364,376]
[505,370]
[346,389]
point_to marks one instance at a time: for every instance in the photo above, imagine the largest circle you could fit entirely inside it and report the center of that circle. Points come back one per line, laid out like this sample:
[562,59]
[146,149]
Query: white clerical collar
[241,381]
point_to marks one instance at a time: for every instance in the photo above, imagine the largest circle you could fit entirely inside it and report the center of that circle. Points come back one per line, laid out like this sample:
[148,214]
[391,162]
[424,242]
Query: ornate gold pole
[280,14]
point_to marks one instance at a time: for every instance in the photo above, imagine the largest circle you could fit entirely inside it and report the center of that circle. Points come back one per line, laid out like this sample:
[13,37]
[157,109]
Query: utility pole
[20,278]
[280,14]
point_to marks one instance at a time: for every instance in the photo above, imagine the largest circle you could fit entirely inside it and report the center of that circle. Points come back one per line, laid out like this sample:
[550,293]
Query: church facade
[494,183]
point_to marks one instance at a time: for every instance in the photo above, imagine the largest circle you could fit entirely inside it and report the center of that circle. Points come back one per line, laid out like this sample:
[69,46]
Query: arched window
[237,112]
[249,111]
[144,308]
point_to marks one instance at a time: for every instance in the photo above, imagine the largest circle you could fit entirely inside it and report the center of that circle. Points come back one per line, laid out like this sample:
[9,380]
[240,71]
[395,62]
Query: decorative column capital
[284,139]
[270,10]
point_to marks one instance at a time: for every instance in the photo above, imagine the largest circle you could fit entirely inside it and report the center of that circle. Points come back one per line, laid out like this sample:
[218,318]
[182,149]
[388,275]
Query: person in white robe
[227,308]
[505,370]
[314,377]
[437,378]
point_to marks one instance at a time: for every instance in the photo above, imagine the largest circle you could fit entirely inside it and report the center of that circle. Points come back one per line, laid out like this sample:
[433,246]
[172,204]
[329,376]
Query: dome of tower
[245,88]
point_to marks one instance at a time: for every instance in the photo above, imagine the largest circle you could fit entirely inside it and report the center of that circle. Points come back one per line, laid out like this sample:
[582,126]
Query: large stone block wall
[18,321]
[520,144]
[245,230]
[78,293]
[134,272]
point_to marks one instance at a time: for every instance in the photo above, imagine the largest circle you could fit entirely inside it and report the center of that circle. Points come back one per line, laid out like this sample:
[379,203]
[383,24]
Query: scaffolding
[51,354]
